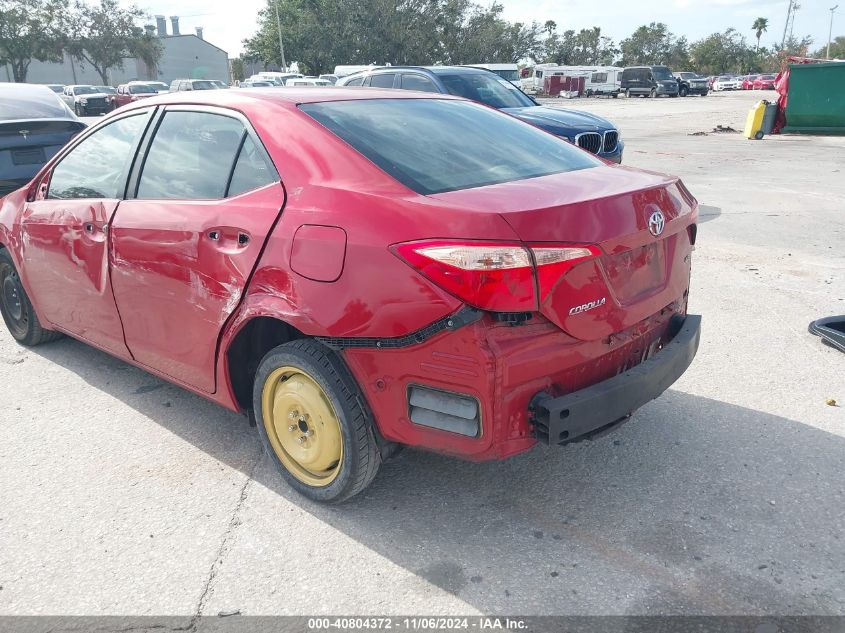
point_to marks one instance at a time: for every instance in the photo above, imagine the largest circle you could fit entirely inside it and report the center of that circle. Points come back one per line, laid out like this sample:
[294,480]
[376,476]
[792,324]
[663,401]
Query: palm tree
[549,27]
[760,26]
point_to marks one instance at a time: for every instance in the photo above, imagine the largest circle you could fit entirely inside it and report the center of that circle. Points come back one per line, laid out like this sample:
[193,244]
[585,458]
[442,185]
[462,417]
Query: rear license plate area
[29,156]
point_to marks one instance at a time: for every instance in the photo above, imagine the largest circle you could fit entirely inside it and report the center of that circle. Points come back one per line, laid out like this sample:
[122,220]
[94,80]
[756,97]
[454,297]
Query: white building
[182,57]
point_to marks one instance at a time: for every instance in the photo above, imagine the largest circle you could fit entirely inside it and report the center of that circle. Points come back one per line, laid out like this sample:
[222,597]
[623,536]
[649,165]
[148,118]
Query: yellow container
[754,122]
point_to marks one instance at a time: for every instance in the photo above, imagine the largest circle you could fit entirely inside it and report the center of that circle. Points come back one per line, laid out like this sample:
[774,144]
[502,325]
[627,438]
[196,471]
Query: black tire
[77,109]
[652,94]
[361,458]
[615,95]
[704,94]
[683,92]
[628,93]
[17,309]
[758,136]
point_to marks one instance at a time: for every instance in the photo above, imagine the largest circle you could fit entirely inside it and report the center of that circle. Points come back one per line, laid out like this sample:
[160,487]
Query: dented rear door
[179,265]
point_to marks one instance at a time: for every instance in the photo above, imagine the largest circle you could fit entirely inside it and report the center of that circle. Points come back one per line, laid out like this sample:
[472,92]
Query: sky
[227,23]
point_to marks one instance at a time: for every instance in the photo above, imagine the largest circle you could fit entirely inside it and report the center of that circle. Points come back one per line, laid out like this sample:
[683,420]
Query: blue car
[588,131]
[34,124]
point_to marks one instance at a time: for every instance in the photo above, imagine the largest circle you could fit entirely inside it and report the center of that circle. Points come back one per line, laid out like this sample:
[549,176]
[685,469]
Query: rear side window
[98,166]
[413,81]
[382,81]
[252,170]
[437,145]
[191,156]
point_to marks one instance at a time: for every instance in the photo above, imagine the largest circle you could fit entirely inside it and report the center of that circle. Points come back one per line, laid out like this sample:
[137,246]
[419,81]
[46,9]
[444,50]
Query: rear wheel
[628,93]
[652,94]
[17,309]
[313,421]
[684,91]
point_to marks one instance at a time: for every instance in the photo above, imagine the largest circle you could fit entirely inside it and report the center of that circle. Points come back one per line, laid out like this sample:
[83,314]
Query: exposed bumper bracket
[591,411]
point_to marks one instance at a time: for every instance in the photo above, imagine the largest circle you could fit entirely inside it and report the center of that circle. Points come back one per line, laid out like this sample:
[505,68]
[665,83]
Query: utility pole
[830,32]
[279,29]
[786,25]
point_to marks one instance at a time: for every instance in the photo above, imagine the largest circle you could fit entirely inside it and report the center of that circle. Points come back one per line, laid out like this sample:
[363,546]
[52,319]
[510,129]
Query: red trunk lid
[639,273]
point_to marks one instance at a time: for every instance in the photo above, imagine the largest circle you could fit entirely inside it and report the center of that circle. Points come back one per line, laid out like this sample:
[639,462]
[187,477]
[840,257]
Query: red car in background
[764,82]
[358,270]
[748,82]
[133,91]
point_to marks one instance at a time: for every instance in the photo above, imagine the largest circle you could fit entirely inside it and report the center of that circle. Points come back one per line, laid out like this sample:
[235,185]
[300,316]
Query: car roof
[437,70]
[287,97]
[27,102]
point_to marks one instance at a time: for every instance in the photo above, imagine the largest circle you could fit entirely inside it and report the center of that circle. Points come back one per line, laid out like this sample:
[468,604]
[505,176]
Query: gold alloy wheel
[302,426]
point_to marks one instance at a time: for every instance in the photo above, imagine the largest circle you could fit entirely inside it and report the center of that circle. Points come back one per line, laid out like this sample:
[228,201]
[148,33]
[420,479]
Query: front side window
[191,156]
[97,167]
[599,78]
[486,88]
[437,145]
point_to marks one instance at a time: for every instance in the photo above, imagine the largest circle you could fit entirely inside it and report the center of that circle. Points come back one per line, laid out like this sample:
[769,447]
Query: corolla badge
[656,223]
[587,306]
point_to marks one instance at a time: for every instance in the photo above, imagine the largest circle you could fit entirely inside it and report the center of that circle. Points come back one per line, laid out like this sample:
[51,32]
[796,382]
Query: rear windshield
[31,104]
[137,89]
[437,145]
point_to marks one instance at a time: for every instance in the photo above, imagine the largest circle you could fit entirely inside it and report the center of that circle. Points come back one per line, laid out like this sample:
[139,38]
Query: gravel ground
[121,494]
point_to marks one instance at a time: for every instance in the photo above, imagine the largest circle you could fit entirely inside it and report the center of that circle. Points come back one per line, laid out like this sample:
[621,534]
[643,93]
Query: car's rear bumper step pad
[586,412]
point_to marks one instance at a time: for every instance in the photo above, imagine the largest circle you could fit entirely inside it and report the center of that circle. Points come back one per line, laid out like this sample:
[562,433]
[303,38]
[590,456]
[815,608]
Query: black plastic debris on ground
[831,330]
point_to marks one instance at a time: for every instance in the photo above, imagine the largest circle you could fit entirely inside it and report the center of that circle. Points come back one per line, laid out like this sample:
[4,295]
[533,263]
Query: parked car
[254,83]
[332,79]
[748,82]
[133,91]
[726,83]
[649,81]
[307,81]
[764,82]
[34,124]
[416,285]
[691,84]
[588,131]
[181,85]
[86,100]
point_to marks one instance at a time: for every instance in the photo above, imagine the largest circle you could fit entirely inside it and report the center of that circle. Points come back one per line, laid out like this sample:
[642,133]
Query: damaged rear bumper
[590,411]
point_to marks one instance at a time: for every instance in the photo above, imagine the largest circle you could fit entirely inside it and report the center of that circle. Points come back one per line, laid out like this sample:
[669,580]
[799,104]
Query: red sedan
[764,82]
[748,82]
[127,93]
[359,270]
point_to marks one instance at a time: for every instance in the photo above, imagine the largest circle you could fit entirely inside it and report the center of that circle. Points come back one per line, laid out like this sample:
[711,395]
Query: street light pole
[786,26]
[279,29]
[830,32]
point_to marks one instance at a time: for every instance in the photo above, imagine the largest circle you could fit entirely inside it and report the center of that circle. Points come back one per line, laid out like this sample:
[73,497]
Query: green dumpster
[816,101]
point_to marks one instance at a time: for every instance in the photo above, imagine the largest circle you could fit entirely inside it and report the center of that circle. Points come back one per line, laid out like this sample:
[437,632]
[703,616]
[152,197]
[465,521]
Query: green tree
[654,44]
[104,34]
[760,26]
[31,29]
[550,26]
[837,49]
[722,52]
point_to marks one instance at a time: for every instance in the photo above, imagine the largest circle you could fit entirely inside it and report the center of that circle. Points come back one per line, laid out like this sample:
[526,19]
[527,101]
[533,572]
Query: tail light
[495,276]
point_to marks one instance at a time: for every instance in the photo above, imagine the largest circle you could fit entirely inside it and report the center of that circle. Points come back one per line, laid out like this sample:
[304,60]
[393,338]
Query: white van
[508,72]
[601,80]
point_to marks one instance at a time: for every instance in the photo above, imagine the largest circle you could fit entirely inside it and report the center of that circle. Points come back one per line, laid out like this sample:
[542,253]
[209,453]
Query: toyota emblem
[656,223]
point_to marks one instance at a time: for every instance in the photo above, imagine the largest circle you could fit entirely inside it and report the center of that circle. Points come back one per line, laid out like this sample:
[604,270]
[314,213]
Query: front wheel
[652,94]
[684,91]
[314,422]
[628,93]
[17,309]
